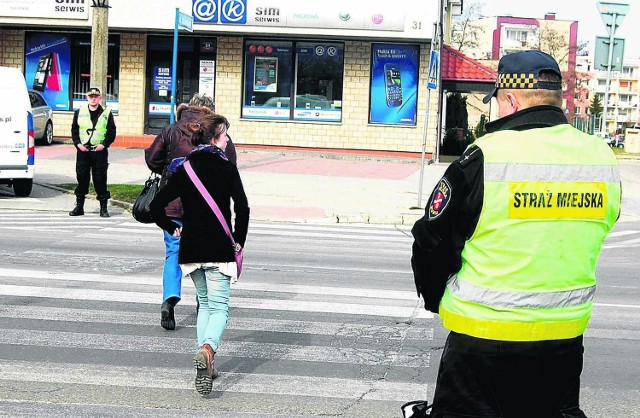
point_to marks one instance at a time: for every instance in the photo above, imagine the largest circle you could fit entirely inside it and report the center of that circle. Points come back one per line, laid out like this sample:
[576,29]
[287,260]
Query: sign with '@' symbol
[220,11]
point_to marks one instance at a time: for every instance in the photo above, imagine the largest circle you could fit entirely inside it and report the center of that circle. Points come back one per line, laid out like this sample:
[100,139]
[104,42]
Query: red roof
[458,67]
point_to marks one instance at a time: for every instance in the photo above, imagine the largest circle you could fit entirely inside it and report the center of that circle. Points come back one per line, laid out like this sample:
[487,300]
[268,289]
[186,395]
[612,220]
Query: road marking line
[255,383]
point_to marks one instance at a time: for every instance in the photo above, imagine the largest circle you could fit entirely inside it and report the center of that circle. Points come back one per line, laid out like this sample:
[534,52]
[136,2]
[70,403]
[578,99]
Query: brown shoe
[205,372]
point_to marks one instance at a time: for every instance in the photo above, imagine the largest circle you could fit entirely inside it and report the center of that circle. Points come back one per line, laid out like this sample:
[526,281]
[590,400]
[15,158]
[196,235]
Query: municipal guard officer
[506,252]
[93,130]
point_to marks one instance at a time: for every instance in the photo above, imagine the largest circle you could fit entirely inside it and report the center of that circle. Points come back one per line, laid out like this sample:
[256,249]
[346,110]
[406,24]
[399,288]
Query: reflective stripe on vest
[549,172]
[551,195]
[510,299]
[85,124]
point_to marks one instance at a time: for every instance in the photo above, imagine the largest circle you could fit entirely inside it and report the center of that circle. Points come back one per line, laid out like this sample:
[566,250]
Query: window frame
[324,110]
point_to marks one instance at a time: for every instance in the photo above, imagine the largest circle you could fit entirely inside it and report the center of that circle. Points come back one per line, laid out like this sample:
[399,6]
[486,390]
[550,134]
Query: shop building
[284,72]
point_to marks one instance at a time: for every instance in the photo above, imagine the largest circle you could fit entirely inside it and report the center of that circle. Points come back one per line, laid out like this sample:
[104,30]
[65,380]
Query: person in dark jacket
[93,130]
[507,262]
[175,142]
[206,253]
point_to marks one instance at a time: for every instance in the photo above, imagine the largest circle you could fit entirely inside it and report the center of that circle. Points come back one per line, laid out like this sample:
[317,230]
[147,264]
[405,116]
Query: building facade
[283,72]
[502,35]
[623,98]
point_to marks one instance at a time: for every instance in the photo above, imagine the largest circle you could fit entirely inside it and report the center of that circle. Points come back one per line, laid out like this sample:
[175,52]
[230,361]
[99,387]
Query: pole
[174,69]
[440,41]
[426,126]
[99,47]
[612,33]
[424,146]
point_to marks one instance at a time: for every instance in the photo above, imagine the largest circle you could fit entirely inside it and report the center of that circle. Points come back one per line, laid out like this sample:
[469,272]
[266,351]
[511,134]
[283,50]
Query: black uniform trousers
[92,164]
[506,379]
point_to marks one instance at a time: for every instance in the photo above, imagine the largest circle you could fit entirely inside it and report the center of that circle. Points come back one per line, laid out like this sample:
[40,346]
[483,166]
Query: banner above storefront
[52,9]
[412,18]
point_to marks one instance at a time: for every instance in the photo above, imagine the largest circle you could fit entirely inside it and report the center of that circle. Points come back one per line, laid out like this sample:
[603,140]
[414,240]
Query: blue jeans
[172,274]
[213,289]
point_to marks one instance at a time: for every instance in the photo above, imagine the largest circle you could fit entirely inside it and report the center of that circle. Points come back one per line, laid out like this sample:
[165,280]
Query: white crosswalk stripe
[300,343]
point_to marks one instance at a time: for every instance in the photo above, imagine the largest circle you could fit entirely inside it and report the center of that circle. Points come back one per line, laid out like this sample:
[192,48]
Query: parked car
[618,141]
[42,118]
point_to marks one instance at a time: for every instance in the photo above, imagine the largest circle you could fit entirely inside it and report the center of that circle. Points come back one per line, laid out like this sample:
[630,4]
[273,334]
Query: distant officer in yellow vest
[93,130]
[506,252]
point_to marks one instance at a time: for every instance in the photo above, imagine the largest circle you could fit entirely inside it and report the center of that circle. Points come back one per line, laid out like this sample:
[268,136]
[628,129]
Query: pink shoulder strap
[207,196]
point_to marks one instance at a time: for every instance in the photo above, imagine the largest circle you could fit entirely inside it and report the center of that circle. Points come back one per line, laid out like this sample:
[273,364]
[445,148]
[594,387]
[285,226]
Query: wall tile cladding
[354,132]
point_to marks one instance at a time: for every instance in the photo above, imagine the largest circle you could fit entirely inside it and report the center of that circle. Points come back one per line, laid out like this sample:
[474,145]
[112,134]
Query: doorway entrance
[195,74]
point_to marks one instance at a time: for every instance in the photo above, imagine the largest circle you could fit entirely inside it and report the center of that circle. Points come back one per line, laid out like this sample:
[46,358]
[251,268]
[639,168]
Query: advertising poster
[47,66]
[394,84]
[207,80]
[266,74]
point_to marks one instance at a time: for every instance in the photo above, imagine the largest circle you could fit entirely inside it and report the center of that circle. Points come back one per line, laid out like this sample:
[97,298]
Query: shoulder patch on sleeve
[440,199]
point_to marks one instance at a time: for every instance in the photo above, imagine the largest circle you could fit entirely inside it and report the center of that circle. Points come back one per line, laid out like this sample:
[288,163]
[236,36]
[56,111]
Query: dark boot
[104,213]
[79,209]
[167,317]
[205,372]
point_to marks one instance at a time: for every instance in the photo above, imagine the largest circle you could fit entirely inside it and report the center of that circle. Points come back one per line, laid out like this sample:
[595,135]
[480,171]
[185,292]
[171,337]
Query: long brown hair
[207,128]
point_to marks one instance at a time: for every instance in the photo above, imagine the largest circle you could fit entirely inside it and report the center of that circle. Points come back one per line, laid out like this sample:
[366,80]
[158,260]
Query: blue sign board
[162,78]
[220,11]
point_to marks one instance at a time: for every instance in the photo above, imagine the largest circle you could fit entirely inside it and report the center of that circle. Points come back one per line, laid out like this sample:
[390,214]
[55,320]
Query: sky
[586,12]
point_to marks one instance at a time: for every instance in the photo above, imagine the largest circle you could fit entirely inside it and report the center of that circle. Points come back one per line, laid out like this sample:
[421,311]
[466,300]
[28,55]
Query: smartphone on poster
[42,72]
[393,85]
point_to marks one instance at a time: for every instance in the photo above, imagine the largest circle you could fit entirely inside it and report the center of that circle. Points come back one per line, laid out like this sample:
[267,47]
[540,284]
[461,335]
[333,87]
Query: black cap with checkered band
[521,70]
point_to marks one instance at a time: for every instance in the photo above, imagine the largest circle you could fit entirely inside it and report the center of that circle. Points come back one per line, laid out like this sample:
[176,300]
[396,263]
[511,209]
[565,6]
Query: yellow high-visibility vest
[551,196]
[86,126]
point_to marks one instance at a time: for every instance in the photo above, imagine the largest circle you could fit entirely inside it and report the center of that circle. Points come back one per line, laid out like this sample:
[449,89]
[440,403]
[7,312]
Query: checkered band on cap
[516,81]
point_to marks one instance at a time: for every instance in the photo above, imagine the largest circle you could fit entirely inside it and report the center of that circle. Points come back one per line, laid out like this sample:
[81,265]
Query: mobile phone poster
[47,66]
[394,84]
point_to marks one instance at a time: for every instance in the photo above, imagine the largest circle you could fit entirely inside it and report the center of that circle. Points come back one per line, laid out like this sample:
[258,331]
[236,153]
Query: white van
[17,143]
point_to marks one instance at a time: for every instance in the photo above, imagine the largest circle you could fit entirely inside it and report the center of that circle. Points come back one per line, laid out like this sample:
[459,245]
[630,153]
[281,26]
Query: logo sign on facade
[52,9]
[220,11]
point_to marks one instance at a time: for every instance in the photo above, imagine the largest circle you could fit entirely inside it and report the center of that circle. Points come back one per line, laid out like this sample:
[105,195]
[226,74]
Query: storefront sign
[394,84]
[159,108]
[52,9]
[332,14]
[162,78]
[47,65]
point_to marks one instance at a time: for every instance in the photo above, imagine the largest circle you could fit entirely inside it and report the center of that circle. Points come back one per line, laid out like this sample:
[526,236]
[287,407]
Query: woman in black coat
[206,253]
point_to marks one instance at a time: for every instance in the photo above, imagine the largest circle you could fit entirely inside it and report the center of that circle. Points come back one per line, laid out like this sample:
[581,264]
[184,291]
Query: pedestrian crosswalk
[325,322]
[302,340]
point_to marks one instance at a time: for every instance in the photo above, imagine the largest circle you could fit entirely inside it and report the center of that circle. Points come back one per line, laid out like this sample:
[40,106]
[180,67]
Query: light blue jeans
[172,274]
[213,289]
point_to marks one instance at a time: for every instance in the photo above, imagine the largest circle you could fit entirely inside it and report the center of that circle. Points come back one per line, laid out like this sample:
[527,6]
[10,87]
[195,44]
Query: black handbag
[142,206]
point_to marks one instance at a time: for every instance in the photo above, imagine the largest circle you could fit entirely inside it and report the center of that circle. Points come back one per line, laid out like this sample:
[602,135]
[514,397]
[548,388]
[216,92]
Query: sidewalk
[287,185]
[293,186]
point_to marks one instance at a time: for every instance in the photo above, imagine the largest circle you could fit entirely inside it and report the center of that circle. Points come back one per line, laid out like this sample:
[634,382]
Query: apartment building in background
[502,35]
[623,102]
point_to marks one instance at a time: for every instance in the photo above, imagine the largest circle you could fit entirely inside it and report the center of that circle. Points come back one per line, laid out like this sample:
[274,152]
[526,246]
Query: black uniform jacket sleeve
[450,218]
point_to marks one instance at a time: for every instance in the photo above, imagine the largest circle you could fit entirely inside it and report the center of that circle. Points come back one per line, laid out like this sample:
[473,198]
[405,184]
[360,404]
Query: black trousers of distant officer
[92,164]
[506,379]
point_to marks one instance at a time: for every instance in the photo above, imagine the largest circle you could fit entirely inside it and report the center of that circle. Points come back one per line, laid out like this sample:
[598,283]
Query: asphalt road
[324,322]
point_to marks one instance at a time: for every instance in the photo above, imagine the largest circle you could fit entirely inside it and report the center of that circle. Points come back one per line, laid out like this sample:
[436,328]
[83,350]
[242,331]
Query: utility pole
[99,46]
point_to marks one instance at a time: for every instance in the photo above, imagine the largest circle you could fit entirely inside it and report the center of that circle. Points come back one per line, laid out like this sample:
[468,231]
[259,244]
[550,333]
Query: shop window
[58,65]
[293,80]
[81,70]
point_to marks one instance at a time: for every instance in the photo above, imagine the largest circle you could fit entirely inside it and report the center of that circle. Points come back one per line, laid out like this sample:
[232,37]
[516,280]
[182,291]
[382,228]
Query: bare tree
[465,31]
